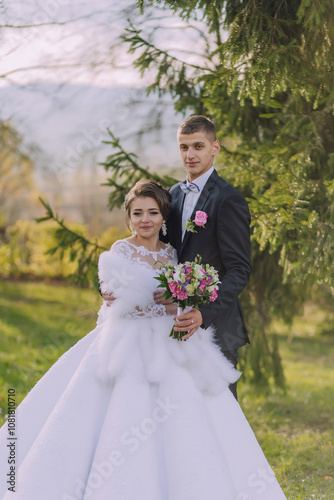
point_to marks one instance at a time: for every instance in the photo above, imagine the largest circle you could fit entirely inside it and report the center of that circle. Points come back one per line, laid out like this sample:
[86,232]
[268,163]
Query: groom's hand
[188,322]
[108,297]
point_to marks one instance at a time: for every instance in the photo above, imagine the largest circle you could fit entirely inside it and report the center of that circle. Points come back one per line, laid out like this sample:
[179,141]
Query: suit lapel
[200,205]
[180,196]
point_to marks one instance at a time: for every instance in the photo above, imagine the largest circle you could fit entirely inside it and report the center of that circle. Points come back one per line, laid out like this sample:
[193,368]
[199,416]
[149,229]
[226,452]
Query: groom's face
[197,151]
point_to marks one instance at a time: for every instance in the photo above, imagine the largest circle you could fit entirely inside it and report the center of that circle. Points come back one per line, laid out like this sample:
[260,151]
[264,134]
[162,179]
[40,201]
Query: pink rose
[200,218]
[173,287]
[180,295]
[213,295]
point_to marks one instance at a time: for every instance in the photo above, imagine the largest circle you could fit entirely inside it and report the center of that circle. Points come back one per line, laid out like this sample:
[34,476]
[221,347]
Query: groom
[224,241]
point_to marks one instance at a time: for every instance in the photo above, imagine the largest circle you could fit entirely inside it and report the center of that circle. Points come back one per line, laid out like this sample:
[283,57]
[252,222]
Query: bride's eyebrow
[140,209]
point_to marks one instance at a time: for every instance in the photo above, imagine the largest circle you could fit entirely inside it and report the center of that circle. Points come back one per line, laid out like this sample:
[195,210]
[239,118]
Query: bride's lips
[146,228]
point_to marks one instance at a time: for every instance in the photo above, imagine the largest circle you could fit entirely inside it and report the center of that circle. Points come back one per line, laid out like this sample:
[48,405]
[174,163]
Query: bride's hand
[158,299]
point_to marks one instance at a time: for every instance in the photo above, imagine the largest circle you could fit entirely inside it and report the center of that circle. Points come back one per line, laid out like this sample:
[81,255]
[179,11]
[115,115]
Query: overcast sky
[74,44]
[77,51]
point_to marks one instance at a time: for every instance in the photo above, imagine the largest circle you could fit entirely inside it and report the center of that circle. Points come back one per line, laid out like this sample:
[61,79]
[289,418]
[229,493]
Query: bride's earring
[133,231]
[164,229]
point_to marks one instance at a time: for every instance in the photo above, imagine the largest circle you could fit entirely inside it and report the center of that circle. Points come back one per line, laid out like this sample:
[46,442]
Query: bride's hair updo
[150,189]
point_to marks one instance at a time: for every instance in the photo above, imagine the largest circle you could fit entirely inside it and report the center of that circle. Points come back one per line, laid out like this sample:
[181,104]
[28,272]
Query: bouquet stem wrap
[173,333]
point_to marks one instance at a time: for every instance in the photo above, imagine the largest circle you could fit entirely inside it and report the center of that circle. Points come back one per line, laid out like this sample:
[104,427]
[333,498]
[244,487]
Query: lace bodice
[151,260]
[140,255]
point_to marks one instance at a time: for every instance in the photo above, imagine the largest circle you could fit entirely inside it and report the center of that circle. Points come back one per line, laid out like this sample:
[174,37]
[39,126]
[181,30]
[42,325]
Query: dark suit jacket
[225,244]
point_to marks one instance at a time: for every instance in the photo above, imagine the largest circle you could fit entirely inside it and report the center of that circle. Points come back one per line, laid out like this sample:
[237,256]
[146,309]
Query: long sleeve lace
[152,311]
[129,272]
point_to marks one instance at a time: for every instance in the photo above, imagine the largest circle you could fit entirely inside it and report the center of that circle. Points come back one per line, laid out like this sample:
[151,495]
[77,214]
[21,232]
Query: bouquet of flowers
[191,284]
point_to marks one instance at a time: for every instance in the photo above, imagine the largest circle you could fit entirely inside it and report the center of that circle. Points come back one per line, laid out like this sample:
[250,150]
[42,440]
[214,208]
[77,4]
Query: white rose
[190,289]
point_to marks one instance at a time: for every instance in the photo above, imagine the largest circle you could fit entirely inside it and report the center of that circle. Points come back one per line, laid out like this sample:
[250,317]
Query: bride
[129,413]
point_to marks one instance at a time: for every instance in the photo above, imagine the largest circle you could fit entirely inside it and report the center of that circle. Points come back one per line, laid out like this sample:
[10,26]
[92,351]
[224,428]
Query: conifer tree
[266,79]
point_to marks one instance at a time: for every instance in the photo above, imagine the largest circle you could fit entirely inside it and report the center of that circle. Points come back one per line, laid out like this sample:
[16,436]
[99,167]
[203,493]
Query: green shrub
[24,253]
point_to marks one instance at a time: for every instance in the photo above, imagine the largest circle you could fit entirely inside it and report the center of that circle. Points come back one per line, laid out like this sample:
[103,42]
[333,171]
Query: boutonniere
[199,221]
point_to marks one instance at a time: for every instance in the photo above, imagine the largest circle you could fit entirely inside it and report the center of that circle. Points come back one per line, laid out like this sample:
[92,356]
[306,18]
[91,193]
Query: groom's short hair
[198,123]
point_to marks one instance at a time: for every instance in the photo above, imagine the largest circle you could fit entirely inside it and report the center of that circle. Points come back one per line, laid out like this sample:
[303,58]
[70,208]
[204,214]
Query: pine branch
[216,23]
[126,171]
[137,41]
[171,73]
[75,246]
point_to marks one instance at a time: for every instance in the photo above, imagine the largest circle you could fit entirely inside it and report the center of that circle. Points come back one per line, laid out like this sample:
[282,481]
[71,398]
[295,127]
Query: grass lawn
[295,429]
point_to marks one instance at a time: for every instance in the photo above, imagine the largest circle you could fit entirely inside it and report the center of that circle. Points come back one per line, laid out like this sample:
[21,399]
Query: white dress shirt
[192,197]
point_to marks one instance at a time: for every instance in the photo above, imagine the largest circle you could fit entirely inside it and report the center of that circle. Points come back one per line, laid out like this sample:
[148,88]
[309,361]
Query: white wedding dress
[129,413]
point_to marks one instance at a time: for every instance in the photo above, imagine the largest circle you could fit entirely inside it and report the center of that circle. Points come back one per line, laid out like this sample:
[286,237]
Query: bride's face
[145,217]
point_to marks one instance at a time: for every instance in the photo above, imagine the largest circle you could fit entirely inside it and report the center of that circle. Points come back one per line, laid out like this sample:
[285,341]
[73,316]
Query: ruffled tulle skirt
[131,414]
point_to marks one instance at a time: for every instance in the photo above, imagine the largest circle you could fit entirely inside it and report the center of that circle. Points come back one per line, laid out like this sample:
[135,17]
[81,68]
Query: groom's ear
[215,147]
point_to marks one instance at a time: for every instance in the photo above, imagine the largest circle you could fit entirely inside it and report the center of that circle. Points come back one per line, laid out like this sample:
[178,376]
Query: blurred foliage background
[263,71]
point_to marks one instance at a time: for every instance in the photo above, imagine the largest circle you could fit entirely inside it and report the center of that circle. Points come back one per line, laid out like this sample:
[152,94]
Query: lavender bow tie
[186,188]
